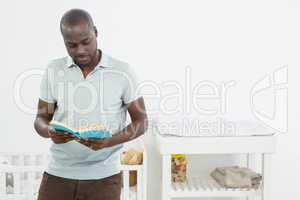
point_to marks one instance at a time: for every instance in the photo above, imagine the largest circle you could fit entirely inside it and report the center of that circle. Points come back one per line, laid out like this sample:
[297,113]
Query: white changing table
[207,187]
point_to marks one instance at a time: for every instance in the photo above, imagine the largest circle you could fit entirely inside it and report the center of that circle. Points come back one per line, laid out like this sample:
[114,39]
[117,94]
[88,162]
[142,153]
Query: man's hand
[95,144]
[60,137]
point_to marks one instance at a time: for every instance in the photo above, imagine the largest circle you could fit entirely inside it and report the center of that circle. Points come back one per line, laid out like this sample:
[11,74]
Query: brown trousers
[58,188]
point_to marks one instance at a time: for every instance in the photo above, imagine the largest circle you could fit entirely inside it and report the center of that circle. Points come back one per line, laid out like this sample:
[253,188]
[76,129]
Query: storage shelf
[205,186]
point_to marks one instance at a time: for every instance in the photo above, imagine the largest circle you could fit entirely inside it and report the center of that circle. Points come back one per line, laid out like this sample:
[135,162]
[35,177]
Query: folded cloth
[236,177]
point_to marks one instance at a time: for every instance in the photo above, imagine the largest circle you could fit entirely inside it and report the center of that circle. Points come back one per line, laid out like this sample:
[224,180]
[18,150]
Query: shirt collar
[104,61]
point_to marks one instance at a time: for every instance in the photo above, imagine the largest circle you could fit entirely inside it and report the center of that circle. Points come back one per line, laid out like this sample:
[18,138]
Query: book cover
[97,131]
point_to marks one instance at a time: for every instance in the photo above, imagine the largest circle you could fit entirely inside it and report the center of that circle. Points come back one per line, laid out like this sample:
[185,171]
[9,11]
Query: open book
[98,131]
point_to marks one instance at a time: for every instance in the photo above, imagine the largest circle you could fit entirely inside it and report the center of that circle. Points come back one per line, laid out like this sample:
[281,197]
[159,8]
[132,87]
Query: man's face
[81,43]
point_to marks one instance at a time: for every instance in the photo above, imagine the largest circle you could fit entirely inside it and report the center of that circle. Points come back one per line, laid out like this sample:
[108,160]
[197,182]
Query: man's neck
[94,63]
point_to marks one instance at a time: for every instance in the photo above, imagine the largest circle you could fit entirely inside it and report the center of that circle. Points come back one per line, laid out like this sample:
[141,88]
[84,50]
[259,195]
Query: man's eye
[86,42]
[71,45]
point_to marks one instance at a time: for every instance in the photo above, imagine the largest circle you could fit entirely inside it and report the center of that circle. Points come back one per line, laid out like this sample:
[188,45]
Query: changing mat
[211,127]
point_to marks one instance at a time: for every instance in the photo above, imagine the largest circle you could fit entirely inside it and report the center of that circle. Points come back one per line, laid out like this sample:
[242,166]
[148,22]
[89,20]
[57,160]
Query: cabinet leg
[166,177]
[266,172]
[251,161]
[251,164]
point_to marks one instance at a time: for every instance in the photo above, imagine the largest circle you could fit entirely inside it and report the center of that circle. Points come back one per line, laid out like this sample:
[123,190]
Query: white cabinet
[205,186]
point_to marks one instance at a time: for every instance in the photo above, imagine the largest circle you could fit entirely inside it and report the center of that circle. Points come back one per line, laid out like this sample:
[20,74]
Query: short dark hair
[75,17]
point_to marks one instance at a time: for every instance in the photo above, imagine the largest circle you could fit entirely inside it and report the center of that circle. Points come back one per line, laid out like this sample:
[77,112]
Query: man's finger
[69,135]
[69,139]
[80,141]
[49,133]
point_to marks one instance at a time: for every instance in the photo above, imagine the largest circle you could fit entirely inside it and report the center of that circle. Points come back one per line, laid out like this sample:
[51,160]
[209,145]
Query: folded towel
[231,180]
[236,177]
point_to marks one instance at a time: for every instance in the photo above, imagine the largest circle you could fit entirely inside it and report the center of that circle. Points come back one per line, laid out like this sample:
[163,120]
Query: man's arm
[41,124]
[44,116]
[138,125]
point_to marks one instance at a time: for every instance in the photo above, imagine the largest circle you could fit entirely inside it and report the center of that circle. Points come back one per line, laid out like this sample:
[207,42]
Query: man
[87,87]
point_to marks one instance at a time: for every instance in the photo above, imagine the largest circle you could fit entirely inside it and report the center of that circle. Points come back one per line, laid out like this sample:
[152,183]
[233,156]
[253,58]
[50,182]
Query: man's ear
[96,31]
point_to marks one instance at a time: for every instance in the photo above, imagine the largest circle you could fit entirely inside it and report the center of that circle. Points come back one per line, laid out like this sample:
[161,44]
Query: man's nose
[81,50]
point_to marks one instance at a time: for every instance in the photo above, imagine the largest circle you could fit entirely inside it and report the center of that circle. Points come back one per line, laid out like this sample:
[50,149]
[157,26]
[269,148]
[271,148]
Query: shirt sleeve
[131,90]
[46,90]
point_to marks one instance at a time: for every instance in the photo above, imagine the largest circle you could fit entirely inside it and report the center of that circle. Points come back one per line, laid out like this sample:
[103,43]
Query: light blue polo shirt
[101,97]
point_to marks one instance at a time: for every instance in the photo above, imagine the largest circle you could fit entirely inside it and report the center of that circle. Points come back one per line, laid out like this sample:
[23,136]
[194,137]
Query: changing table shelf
[205,186]
[208,187]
